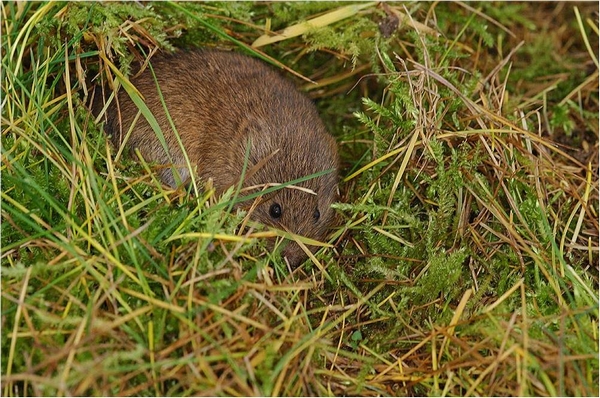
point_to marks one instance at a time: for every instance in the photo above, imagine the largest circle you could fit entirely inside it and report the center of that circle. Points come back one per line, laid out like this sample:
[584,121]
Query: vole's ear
[253,126]
[254,131]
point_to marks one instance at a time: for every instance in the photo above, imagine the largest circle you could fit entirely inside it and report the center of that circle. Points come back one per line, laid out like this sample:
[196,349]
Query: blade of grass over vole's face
[254,235]
[240,199]
[282,185]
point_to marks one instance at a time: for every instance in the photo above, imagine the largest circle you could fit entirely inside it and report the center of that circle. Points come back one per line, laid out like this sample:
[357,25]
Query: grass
[466,259]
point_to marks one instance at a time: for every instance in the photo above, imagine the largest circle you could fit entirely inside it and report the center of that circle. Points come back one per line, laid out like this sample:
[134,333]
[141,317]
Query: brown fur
[219,101]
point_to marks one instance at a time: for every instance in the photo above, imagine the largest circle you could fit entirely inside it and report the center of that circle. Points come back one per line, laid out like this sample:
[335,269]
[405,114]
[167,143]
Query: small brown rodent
[219,101]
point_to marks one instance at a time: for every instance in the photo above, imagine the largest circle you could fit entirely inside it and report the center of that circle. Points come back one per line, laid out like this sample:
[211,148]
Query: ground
[465,259]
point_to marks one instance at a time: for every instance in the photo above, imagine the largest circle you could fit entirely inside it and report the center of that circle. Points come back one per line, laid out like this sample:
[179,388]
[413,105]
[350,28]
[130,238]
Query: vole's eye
[317,215]
[275,210]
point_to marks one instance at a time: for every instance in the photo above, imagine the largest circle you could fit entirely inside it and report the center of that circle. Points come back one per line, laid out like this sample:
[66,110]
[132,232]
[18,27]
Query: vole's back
[219,102]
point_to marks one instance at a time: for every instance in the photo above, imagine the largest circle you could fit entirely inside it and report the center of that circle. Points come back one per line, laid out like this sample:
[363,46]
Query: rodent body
[220,102]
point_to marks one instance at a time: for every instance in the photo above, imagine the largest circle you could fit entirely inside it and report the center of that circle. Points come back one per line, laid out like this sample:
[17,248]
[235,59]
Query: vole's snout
[294,254]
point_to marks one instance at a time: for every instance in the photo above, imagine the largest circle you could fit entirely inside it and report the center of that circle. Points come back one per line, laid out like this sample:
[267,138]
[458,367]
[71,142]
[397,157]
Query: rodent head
[304,208]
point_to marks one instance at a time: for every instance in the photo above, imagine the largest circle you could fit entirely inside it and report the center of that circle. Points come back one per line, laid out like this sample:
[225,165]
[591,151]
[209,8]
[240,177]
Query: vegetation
[466,259]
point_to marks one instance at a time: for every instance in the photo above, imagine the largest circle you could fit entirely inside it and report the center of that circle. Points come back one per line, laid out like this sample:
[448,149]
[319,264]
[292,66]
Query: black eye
[275,210]
[317,215]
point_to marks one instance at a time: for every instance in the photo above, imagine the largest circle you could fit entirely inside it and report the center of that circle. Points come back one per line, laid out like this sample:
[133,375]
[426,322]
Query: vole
[220,102]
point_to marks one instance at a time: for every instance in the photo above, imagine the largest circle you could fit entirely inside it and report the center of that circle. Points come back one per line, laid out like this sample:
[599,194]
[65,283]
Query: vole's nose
[294,254]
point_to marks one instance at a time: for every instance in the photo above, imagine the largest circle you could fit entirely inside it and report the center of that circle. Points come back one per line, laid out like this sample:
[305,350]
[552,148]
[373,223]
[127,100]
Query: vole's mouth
[293,254]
